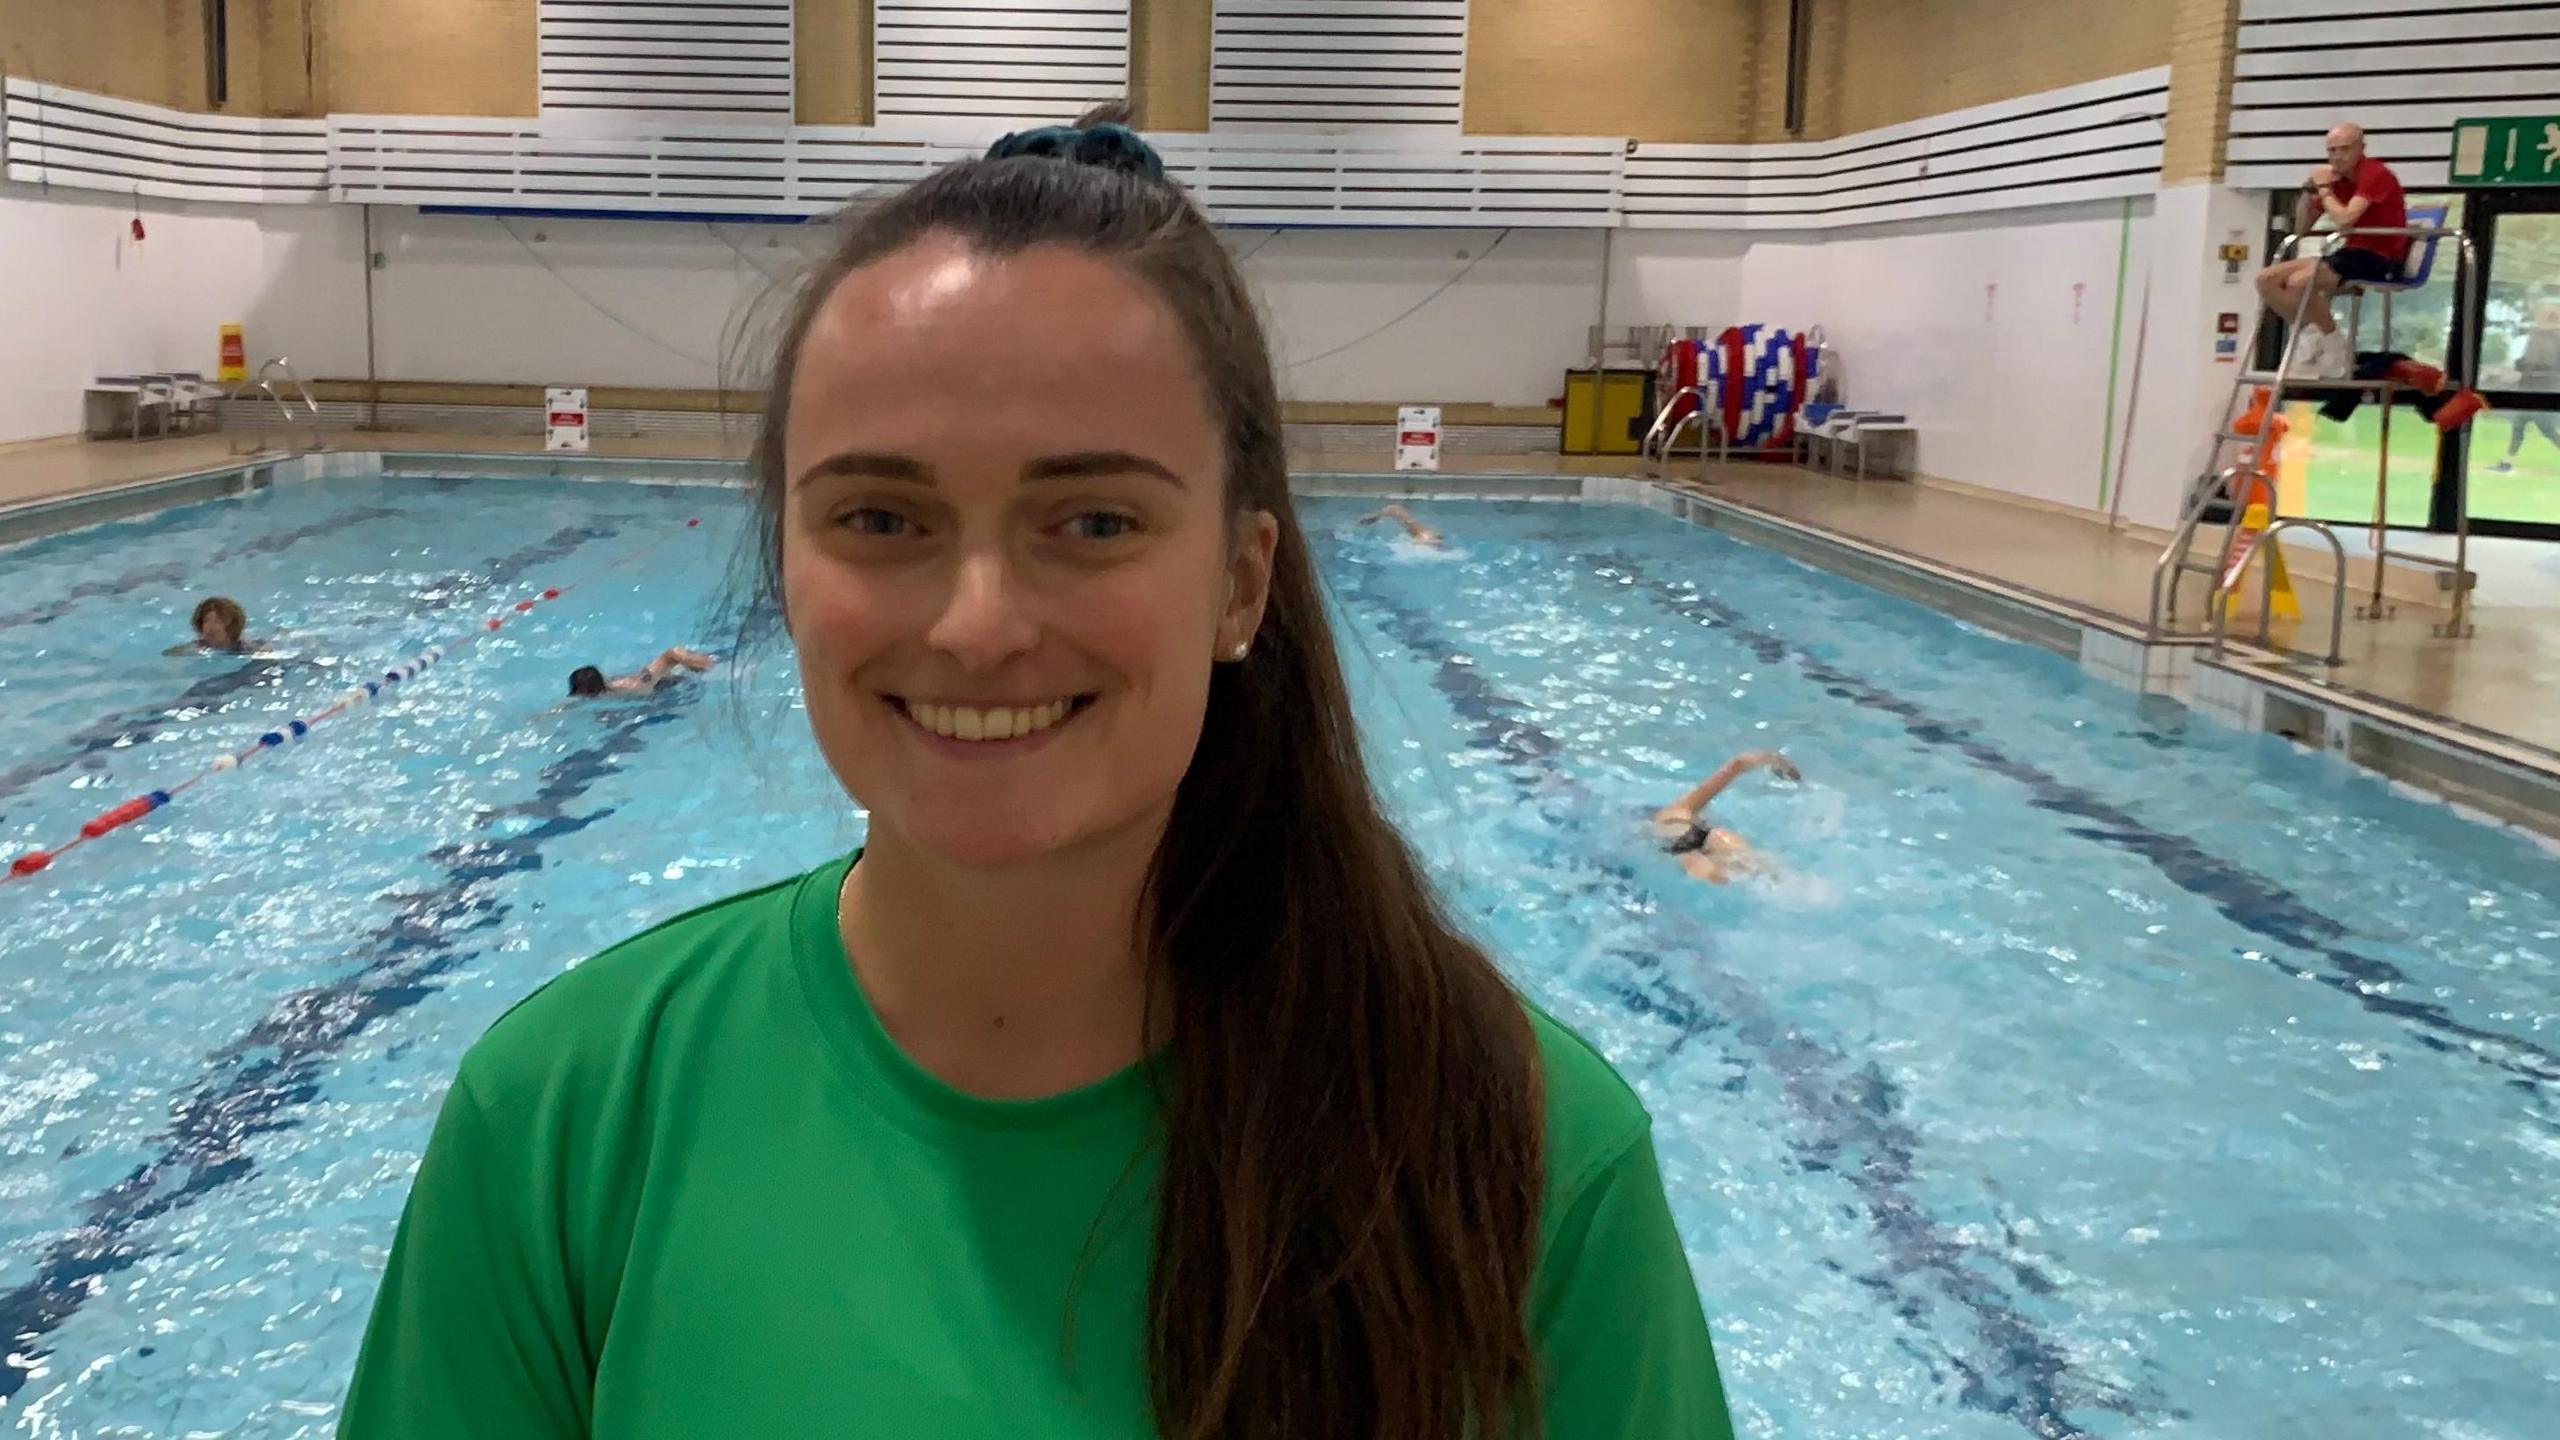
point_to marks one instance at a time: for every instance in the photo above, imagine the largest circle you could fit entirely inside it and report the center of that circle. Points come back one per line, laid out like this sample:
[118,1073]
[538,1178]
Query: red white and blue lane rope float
[108,821]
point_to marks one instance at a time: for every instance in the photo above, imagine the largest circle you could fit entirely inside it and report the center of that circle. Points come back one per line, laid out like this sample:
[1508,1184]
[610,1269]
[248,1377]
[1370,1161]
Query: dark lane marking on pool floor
[255,1083]
[176,572]
[2020,1373]
[119,729]
[2254,902]
[123,729]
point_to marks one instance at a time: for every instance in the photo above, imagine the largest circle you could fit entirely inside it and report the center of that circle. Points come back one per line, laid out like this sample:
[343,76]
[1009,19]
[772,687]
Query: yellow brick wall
[1647,69]
[2202,39]
[1900,60]
[1761,71]
[150,50]
[287,39]
[246,62]
[831,49]
[1169,63]
[429,57]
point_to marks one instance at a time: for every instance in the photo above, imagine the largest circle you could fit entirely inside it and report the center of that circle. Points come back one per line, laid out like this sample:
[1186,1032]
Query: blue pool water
[2083,1070]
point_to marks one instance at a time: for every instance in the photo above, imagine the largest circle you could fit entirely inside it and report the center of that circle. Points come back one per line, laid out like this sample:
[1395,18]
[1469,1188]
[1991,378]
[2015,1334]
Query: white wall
[602,302]
[2008,385]
[2184,386]
[1991,333]
[1676,277]
[80,297]
[528,300]
[1506,321]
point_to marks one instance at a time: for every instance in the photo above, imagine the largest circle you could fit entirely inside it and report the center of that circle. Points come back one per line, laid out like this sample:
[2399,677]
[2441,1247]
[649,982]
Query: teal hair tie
[1108,145]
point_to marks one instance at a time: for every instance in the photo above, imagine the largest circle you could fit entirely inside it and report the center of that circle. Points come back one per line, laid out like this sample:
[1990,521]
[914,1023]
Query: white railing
[2086,142]
[2098,141]
[80,141]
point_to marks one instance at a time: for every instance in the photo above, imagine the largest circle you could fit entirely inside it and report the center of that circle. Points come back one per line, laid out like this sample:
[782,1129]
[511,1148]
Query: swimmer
[222,628]
[587,681]
[1422,534]
[1705,849]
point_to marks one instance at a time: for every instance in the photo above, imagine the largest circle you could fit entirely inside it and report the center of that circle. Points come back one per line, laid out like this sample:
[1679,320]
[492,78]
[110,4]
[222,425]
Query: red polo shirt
[2389,210]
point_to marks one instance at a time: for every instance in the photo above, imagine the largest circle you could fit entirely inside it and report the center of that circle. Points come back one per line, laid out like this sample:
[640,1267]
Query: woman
[1129,1082]
[1706,850]
[222,628]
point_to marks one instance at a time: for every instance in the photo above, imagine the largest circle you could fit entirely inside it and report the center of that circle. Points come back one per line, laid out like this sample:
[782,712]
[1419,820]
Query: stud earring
[1238,653]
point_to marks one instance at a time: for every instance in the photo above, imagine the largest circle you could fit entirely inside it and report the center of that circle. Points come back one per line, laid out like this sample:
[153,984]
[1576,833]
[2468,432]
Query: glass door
[2515,448]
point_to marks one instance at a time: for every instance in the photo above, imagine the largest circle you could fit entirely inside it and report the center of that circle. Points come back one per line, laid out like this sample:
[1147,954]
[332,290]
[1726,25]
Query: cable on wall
[596,305]
[1409,311]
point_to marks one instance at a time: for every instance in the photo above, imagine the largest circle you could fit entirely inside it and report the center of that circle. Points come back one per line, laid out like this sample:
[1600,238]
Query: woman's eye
[1102,525]
[869,521]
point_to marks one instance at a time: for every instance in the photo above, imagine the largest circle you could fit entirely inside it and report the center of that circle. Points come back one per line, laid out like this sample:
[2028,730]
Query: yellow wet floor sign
[2253,524]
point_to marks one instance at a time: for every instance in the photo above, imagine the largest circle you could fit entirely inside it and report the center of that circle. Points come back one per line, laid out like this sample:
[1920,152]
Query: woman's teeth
[965,722]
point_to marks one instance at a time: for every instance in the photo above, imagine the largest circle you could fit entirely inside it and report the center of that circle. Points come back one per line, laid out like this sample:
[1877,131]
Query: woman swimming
[221,628]
[1706,850]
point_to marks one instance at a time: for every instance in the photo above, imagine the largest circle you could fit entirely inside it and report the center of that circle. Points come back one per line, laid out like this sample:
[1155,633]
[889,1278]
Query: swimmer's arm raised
[1689,806]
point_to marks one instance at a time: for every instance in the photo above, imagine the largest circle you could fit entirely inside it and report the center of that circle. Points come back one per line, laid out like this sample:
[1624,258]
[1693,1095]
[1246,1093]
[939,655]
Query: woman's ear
[1249,558]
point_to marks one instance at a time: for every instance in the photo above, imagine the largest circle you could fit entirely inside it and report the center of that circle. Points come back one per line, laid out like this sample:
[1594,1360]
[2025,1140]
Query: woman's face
[1007,560]
[215,631]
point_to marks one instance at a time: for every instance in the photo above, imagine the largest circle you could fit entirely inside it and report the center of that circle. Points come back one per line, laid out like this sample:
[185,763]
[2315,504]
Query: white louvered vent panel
[1021,62]
[81,141]
[723,61]
[1411,179]
[2404,70]
[2079,143]
[1338,65]
[2097,141]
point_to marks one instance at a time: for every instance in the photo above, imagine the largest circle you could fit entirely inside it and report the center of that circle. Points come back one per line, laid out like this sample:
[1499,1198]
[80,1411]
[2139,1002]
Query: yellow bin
[1606,411]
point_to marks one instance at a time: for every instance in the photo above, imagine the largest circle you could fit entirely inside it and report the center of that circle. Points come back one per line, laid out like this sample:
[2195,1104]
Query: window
[1799,60]
[217,54]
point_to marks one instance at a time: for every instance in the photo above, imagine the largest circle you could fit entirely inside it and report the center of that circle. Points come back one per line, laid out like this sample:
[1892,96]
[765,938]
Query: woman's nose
[984,620]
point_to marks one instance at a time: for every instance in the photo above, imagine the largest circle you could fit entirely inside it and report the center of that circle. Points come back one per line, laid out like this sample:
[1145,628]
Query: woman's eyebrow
[867,465]
[1085,464]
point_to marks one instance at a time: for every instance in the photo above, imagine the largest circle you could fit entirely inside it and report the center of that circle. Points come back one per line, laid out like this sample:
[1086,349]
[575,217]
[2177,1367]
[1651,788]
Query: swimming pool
[2083,1071]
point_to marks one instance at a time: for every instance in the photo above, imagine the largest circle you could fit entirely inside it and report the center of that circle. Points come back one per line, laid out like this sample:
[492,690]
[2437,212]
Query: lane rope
[116,817]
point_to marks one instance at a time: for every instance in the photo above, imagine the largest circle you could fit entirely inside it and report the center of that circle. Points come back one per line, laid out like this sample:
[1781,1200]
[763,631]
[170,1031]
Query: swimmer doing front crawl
[1709,851]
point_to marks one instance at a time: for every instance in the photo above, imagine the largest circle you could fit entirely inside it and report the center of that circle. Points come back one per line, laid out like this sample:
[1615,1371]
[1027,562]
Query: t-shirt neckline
[885,1077]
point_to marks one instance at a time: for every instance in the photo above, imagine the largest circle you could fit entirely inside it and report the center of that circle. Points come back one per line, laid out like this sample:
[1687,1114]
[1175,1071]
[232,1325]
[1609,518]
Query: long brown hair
[1353,1167]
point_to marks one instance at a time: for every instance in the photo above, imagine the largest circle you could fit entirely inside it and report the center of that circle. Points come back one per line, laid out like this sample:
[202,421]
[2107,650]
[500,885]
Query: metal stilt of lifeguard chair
[2224,487]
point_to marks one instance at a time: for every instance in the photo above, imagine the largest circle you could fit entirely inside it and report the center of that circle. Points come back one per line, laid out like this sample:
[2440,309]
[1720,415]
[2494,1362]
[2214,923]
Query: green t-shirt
[691,1188]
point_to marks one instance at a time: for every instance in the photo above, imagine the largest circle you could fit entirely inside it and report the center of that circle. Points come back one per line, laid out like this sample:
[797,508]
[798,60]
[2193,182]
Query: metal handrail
[2227,587]
[286,365]
[1663,417]
[266,387]
[2165,571]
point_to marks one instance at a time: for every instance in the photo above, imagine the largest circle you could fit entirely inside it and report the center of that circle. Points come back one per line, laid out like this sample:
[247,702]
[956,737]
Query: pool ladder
[1668,426]
[284,411]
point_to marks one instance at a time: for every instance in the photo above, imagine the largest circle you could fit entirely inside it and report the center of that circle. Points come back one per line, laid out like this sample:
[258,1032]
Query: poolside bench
[1829,435]
[166,402]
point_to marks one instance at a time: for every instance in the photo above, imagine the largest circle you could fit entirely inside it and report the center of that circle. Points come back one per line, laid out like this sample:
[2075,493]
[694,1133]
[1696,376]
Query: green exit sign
[2511,151]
